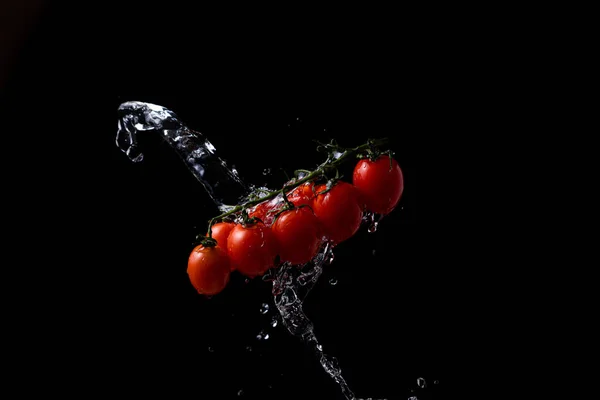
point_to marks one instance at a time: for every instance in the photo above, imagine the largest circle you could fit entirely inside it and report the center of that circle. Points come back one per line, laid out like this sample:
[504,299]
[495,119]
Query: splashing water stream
[291,284]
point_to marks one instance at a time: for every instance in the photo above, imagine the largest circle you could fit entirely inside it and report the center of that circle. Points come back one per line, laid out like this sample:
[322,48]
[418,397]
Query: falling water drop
[329,257]
[248,348]
[368,217]
[274,322]
[436,382]
[264,308]
[262,336]
[373,227]
[422,383]
[210,349]
[266,171]
[240,392]
[333,281]
[247,280]
[374,252]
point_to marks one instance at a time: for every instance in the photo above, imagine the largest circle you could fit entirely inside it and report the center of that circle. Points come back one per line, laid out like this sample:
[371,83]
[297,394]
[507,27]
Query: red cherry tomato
[220,232]
[298,235]
[339,211]
[266,210]
[208,269]
[252,249]
[302,195]
[379,185]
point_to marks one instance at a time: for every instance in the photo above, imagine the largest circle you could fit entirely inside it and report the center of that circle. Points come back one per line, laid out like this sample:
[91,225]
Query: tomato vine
[336,155]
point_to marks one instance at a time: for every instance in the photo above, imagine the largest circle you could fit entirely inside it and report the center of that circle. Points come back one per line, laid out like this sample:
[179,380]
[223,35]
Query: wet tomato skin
[208,269]
[303,194]
[379,185]
[252,249]
[265,211]
[298,235]
[339,211]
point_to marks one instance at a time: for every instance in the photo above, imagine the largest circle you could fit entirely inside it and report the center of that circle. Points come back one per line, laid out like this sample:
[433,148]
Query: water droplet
[210,349]
[333,281]
[329,257]
[264,308]
[436,382]
[240,392]
[373,227]
[266,171]
[413,398]
[374,252]
[303,280]
[274,322]
[248,348]
[368,217]
[270,386]
[319,347]
[262,336]
[421,382]
[246,280]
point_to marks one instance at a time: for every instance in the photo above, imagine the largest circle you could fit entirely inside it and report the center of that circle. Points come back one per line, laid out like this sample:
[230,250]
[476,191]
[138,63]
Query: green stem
[328,164]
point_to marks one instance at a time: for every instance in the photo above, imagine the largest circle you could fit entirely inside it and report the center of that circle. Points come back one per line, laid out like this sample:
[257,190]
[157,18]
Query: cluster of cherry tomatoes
[294,233]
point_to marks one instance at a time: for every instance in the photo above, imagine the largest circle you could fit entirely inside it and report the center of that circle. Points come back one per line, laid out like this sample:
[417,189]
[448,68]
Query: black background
[388,320]
[383,319]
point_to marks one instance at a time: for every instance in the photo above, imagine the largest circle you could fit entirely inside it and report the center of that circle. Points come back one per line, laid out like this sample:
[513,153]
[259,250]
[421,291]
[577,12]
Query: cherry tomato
[303,194]
[266,210]
[298,235]
[379,185]
[252,249]
[208,269]
[220,232]
[338,210]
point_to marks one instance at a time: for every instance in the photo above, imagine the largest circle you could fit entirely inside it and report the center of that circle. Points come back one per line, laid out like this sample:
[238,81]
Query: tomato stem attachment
[336,156]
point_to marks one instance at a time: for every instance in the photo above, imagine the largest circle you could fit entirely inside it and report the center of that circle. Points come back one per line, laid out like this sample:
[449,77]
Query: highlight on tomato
[252,248]
[379,182]
[339,210]
[303,194]
[266,210]
[298,235]
[208,269]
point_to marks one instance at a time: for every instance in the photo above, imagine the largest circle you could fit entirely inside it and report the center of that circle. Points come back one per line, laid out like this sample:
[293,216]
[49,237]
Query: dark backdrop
[383,319]
[389,320]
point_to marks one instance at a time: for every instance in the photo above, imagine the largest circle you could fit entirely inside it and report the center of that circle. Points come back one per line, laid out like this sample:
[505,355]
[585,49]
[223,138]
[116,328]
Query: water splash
[264,308]
[222,184]
[291,284]
[289,292]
